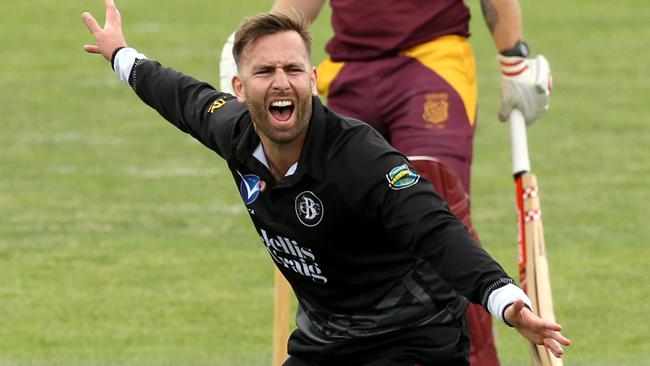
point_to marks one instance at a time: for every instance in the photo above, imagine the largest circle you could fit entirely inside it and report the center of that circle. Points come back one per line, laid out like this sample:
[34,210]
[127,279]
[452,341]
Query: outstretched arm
[109,38]
[535,329]
[191,105]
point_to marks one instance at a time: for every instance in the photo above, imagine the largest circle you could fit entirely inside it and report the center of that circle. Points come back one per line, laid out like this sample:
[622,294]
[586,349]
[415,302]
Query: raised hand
[109,38]
[536,329]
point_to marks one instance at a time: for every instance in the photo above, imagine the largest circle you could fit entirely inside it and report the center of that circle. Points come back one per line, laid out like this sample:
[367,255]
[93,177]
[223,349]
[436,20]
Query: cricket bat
[281,298]
[533,263]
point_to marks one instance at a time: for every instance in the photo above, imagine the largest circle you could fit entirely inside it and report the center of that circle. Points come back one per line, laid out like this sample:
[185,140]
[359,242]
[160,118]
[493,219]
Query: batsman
[382,270]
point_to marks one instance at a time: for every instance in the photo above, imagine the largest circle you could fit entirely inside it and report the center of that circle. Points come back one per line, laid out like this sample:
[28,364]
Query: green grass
[123,242]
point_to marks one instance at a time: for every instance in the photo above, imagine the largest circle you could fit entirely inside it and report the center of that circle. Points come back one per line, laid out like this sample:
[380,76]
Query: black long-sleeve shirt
[366,243]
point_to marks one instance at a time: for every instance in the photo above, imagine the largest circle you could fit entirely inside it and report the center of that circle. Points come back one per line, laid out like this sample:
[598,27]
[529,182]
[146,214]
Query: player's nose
[280,79]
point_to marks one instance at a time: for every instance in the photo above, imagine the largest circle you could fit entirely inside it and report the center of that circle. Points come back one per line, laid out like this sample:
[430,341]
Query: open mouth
[281,110]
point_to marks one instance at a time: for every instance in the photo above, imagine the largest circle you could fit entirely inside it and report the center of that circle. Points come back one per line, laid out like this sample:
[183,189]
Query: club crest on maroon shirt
[436,109]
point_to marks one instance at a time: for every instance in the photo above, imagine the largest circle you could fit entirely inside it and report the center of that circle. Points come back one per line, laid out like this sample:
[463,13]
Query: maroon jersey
[370,29]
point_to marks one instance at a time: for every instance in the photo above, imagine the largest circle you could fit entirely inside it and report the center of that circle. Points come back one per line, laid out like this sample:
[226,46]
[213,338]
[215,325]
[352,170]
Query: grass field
[124,242]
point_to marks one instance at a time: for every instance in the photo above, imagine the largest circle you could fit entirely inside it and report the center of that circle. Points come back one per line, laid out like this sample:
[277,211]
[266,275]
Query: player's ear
[238,87]
[313,78]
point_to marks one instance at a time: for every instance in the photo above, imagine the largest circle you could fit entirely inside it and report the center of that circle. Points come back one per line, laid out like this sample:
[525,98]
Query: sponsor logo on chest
[290,254]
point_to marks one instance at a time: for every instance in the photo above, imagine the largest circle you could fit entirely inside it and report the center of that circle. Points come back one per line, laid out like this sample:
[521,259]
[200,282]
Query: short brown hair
[255,27]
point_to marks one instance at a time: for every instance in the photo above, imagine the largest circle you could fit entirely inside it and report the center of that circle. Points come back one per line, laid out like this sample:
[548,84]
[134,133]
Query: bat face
[533,263]
[282,293]
[521,233]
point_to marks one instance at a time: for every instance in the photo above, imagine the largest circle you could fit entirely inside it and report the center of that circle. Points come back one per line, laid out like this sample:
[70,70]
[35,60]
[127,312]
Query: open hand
[109,38]
[535,328]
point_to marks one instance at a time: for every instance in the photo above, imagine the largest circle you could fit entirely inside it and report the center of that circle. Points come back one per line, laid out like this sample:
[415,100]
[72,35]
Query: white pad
[227,66]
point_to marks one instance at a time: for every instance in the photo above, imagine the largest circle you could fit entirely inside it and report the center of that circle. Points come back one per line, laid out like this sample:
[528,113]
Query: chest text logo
[289,254]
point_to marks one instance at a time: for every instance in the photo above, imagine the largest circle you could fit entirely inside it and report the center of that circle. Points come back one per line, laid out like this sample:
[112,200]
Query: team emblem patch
[309,209]
[436,109]
[401,177]
[217,104]
[250,187]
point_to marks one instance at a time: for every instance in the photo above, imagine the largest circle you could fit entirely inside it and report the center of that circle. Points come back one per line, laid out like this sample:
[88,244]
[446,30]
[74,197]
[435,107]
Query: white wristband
[124,60]
[500,298]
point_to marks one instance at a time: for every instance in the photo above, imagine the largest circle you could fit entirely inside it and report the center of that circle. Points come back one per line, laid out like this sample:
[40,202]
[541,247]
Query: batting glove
[526,85]
[227,66]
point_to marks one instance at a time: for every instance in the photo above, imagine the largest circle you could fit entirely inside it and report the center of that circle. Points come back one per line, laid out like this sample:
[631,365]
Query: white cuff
[500,298]
[124,60]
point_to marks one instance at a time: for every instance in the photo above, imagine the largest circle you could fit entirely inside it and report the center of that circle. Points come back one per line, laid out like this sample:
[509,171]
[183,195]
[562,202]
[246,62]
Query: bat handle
[519,141]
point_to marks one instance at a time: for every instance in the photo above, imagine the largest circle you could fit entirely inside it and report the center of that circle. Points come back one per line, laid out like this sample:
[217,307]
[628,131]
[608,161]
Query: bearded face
[277,83]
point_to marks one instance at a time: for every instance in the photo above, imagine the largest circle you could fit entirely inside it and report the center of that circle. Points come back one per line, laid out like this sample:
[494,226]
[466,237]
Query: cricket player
[383,272]
[407,68]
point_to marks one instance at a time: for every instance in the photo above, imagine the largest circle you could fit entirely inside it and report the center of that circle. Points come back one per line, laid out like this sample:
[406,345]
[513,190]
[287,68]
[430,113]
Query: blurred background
[124,242]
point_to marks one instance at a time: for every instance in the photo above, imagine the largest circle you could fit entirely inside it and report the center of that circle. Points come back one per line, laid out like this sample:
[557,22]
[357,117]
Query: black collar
[313,151]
